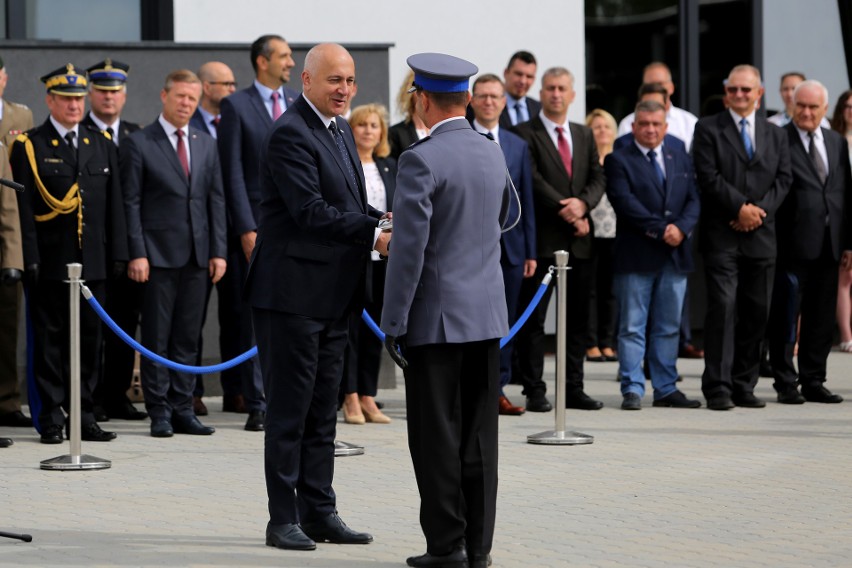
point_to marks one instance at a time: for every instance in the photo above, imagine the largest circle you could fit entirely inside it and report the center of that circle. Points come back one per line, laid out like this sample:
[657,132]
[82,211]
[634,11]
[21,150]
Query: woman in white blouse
[363,354]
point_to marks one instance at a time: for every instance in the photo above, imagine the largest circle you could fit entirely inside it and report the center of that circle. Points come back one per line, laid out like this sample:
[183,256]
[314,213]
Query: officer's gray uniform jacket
[444,283]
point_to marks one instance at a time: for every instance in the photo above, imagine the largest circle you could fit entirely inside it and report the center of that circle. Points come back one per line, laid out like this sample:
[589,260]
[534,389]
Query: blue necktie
[746,139]
[652,157]
[520,116]
[344,155]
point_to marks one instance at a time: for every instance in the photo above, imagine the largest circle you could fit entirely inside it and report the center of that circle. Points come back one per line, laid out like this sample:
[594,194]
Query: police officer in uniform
[107,95]
[72,211]
[444,295]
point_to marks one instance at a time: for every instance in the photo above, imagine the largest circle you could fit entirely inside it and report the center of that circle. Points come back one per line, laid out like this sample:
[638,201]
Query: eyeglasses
[224,83]
[414,88]
[488,97]
[733,90]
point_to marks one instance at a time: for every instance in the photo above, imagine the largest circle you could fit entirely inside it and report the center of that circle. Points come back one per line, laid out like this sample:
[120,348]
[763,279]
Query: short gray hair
[812,83]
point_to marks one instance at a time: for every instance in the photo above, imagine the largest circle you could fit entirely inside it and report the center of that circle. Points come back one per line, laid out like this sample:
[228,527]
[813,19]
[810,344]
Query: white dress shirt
[495,132]
[819,141]
[171,134]
[550,126]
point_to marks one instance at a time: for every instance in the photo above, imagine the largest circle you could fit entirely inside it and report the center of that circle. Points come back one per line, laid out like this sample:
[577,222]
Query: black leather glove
[31,275]
[393,349]
[10,276]
[119,269]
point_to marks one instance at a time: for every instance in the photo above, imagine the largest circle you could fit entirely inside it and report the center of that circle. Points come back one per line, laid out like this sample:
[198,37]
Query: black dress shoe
[331,528]
[747,400]
[16,419]
[722,402]
[791,396]
[100,414]
[51,434]
[190,425]
[820,394]
[125,411]
[455,559]
[677,400]
[538,403]
[289,537]
[479,560]
[632,401]
[161,428]
[766,370]
[255,421]
[582,401]
[6,442]
[93,433]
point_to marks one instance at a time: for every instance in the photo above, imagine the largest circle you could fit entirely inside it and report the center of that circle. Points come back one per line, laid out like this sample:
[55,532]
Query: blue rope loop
[192,369]
[545,282]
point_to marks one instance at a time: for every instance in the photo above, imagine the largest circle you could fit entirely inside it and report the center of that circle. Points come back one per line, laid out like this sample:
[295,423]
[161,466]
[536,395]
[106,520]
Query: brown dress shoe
[508,409]
[198,406]
[690,351]
[234,403]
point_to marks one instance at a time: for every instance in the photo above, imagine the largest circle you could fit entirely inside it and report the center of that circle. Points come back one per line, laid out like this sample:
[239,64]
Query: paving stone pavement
[659,487]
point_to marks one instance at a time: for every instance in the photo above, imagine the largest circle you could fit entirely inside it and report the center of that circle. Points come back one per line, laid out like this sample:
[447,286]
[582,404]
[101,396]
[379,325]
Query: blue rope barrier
[195,370]
[545,282]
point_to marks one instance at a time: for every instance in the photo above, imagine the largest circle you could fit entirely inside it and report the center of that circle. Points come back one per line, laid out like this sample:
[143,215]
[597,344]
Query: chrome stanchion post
[75,460]
[558,435]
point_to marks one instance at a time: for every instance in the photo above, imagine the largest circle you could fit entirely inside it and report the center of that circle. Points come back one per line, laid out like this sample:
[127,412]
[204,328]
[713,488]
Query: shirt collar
[326,120]
[208,117]
[103,125]
[658,150]
[171,128]
[550,125]
[512,101]
[481,129]
[61,130]
[803,134]
[737,118]
[266,92]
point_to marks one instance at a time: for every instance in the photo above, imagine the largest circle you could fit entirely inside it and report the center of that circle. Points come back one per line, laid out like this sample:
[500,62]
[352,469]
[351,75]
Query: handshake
[383,242]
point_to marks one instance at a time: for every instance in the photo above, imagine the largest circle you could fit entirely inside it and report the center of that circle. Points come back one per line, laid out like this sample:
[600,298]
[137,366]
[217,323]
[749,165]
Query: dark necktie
[111,133]
[816,159]
[341,148]
[564,150]
[183,157]
[661,178]
[215,123]
[519,113]
[276,105]
[69,137]
[489,135]
[749,148]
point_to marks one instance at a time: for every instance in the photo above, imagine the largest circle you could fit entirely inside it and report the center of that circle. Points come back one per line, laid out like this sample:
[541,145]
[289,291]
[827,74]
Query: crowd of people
[285,202]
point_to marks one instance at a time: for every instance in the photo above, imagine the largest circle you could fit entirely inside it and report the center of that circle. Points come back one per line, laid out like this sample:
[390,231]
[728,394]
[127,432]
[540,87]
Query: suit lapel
[831,150]
[732,133]
[196,161]
[164,144]
[668,158]
[259,106]
[349,142]
[549,149]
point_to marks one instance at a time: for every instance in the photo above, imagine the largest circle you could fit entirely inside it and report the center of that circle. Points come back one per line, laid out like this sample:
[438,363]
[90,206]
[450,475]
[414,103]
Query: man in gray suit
[445,300]
[175,208]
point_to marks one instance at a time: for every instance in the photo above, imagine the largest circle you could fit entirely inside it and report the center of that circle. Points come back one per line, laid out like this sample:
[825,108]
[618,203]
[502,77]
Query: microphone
[13,184]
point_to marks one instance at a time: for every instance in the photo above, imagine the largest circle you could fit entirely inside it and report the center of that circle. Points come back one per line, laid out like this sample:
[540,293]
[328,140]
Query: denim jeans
[650,305]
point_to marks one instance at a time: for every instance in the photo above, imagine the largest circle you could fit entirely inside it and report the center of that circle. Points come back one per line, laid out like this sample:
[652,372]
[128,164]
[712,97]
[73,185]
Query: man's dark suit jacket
[518,244]
[644,209]
[669,141]
[125,128]
[533,108]
[727,180]
[316,229]
[551,184]
[171,220]
[197,121]
[242,130]
[801,218]
[400,136]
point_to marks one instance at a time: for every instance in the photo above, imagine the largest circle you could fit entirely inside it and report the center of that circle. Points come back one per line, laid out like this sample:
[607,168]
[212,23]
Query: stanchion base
[69,462]
[343,449]
[554,437]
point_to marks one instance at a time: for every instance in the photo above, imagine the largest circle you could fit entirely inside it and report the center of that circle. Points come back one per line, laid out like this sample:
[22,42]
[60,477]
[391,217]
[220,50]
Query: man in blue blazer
[307,275]
[247,116]
[175,208]
[517,246]
[652,189]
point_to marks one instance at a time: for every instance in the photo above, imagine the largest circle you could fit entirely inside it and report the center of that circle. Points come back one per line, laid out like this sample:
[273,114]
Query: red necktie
[276,106]
[564,150]
[183,158]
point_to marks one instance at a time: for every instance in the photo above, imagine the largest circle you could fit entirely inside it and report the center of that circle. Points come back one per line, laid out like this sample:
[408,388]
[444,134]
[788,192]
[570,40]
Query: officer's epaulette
[22,137]
[421,141]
